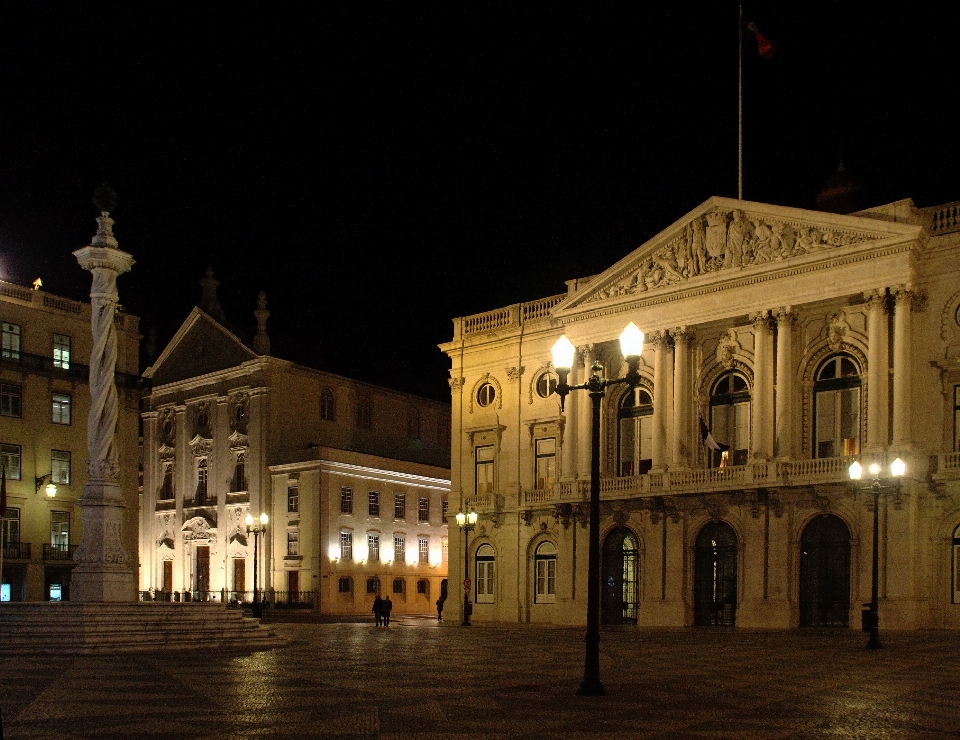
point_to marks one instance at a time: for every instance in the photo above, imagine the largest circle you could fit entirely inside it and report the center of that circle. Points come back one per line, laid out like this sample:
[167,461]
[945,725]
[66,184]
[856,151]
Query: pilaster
[761,438]
[784,383]
[878,377]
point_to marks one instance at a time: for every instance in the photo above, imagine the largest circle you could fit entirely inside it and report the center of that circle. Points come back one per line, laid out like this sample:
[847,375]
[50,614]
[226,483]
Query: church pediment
[725,236]
[201,346]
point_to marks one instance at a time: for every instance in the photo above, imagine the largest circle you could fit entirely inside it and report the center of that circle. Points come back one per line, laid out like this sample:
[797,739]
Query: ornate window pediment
[199,528]
[238,441]
[201,446]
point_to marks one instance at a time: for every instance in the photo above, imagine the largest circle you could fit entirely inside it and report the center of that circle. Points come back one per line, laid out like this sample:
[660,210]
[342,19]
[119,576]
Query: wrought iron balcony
[58,552]
[16,551]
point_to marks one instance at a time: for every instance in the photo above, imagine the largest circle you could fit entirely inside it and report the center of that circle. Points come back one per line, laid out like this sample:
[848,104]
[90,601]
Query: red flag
[3,491]
[765,47]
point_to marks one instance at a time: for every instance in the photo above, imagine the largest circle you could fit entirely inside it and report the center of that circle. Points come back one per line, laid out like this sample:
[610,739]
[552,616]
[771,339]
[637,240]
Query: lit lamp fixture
[256,527]
[631,345]
[50,489]
[466,521]
[871,615]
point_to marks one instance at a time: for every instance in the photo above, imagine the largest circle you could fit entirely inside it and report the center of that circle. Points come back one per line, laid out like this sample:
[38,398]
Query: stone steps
[71,628]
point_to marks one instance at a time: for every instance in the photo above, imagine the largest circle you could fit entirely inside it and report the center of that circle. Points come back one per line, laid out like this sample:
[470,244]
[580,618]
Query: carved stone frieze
[728,348]
[514,374]
[201,446]
[725,240]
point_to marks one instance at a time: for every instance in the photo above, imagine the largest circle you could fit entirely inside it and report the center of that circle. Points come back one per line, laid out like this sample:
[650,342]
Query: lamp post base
[591,687]
[874,642]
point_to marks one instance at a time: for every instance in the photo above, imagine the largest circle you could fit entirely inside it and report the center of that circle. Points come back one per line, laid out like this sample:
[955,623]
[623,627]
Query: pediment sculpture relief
[723,240]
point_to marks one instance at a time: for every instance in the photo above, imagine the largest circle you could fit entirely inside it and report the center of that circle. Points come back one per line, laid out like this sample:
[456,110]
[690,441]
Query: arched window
[730,419]
[546,384]
[956,565]
[485,566]
[837,408]
[635,418]
[486,394]
[327,405]
[201,495]
[364,412]
[545,573]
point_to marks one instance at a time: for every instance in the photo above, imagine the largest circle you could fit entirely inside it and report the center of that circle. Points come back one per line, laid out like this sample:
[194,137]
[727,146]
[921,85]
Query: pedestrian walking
[439,610]
[378,610]
[387,606]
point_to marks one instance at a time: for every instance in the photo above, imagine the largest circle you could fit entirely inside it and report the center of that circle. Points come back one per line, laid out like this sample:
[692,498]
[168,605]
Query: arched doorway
[715,576]
[621,577]
[825,573]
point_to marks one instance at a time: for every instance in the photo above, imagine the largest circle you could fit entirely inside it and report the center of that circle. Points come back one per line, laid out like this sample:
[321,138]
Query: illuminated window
[424,548]
[546,462]
[730,418]
[399,549]
[484,469]
[11,341]
[60,467]
[346,500]
[61,351]
[60,529]
[400,506]
[545,576]
[61,408]
[293,499]
[373,548]
[485,567]
[293,542]
[11,528]
[346,545]
[10,460]
[837,408]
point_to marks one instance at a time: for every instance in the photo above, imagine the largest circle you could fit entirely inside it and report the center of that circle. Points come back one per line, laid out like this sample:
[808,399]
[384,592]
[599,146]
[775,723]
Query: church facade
[353,479]
[781,346]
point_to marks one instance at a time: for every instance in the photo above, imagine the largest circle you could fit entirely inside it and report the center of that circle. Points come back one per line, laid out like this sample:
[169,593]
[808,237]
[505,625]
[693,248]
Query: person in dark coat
[439,610]
[386,607]
[378,609]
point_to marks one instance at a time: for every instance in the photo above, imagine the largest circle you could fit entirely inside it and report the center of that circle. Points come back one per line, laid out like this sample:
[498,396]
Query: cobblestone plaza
[419,680]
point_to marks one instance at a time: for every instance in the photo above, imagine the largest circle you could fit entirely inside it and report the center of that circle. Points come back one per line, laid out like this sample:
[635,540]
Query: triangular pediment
[201,346]
[724,238]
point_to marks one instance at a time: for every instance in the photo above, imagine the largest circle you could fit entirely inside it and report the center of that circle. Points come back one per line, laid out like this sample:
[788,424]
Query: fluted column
[878,377]
[103,571]
[902,380]
[761,440]
[661,400]
[571,431]
[784,382]
[582,412]
[682,397]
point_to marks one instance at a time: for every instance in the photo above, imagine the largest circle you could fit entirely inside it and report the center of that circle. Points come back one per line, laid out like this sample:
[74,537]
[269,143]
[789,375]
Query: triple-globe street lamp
[466,521]
[871,618]
[631,345]
[256,527]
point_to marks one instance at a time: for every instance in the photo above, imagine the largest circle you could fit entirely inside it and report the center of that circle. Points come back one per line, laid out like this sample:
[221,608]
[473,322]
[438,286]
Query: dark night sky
[378,169]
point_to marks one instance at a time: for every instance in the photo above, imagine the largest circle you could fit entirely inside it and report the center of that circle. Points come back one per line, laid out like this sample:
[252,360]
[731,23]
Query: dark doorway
[167,576]
[203,571]
[621,584]
[825,573]
[715,576]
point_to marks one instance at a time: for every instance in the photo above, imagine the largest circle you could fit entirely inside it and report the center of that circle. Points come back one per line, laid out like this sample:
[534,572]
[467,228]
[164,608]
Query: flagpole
[740,108]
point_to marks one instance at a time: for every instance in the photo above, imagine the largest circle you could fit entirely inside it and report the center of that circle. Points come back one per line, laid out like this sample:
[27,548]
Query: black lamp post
[871,618]
[466,521]
[631,344]
[257,528]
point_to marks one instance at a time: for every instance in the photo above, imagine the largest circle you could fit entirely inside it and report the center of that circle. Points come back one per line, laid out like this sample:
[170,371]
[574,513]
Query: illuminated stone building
[44,403]
[803,340]
[353,477]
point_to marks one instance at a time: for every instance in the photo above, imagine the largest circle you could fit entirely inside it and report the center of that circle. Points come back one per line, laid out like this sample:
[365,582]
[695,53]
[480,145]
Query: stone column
[682,397]
[878,377]
[582,413]
[660,343]
[761,438]
[784,388]
[902,385]
[103,571]
[570,434]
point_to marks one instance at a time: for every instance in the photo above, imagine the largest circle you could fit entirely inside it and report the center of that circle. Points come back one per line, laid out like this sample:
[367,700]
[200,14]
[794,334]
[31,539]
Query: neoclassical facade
[230,431]
[798,341]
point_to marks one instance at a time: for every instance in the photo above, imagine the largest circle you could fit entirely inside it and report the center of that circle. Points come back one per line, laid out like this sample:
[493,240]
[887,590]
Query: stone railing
[948,466]
[508,316]
[941,219]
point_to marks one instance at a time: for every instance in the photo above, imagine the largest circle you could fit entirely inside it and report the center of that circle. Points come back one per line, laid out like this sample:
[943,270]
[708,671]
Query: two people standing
[381,610]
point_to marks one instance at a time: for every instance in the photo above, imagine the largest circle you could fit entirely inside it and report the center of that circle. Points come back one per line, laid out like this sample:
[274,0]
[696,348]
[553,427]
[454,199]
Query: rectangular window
[60,467]
[11,341]
[239,481]
[344,585]
[423,510]
[373,548]
[399,549]
[11,528]
[166,488]
[61,351]
[424,549]
[546,580]
[60,529]
[399,506]
[484,470]
[445,549]
[485,581]
[373,505]
[61,408]
[293,542]
[201,496]
[346,545]
[293,499]
[11,400]
[346,500]
[10,460]
[546,461]
[445,509]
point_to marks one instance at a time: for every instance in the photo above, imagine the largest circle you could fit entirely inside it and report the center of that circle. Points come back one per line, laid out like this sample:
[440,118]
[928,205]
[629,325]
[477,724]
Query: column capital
[456,384]
[878,298]
[515,373]
[761,319]
[682,335]
[785,316]
[660,339]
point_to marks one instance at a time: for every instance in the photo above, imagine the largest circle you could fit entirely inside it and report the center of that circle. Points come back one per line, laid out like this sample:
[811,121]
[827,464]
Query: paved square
[418,680]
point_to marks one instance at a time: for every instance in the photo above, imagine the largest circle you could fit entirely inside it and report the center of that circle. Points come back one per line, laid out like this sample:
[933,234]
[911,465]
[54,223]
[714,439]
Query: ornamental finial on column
[105,199]
[261,342]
